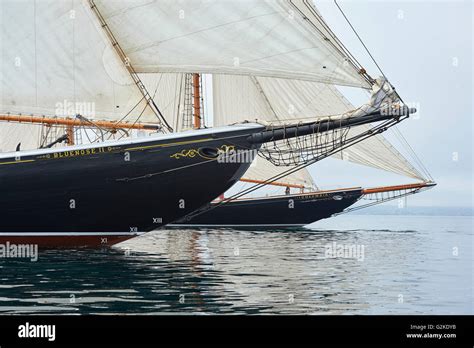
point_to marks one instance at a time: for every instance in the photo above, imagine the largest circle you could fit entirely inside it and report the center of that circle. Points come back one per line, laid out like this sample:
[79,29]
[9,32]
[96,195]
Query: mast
[70,135]
[197,101]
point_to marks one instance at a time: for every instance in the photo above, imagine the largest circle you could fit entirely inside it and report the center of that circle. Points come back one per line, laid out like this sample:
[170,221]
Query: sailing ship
[237,99]
[285,209]
[78,69]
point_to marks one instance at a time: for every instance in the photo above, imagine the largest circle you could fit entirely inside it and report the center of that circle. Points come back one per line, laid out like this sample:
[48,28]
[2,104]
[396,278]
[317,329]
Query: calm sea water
[409,265]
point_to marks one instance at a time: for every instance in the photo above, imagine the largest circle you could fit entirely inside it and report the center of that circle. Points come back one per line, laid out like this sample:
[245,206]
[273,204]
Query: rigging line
[179,96]
[354,140]
[129,112]
[131,70]
[387,145]
[412,152]
[203,100]
[417,158]
[382,200]
[157,86]
[146,176]
[136,121]
[304,17]
[360,39]
[321,20]
[320,118]
[344,52]
[264,95]
[422,167]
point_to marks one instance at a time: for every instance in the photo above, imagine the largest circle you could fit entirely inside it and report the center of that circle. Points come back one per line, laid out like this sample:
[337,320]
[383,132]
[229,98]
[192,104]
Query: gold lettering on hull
[83,152]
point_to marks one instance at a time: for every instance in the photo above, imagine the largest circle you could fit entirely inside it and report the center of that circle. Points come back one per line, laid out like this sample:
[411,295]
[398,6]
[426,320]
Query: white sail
[167,90]
[57,60]
[276,38]
[241,98]
[11,134]
[262,170]
[280,61]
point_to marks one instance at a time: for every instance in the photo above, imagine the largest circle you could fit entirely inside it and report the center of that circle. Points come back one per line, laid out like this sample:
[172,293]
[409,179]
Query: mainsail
[276,38]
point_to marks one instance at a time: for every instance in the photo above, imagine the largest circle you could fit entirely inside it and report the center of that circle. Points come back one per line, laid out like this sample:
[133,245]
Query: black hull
[93,195]
[280,211]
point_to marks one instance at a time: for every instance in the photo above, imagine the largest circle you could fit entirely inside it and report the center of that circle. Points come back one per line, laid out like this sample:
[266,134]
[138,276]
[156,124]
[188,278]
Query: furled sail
[243,98]
[274,38]
[57,61]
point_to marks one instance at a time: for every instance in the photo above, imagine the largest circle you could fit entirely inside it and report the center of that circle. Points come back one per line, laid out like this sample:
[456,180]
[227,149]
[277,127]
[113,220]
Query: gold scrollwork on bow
[185,153]
[194,152]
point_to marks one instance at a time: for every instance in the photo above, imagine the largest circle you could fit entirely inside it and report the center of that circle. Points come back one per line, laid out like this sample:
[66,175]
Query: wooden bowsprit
[382,194]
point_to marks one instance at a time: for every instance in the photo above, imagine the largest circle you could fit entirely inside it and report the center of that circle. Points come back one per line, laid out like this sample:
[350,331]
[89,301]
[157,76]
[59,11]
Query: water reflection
[229,271]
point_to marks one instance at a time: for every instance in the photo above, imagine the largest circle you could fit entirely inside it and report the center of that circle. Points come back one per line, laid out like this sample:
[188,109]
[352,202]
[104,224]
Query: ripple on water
[252,272]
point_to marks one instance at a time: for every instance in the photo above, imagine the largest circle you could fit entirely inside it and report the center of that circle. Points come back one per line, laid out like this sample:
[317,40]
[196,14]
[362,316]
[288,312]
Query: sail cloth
[168,92]
[274,38]
[262,170]
[57,60]
[241,98]
[13,133]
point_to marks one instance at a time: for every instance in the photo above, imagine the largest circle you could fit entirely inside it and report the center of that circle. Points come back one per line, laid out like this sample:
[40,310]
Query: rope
[360,39]
[396,131]
[412,153]
[381,200]
[354,140]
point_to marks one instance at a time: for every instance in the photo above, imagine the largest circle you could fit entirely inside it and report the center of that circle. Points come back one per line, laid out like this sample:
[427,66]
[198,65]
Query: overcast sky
[425,48]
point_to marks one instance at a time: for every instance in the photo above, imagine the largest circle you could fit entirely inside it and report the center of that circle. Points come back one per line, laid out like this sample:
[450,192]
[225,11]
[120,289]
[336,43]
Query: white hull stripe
[67,234]
[141,140]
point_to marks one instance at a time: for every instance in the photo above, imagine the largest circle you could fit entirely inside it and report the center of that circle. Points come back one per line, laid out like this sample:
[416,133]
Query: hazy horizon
[425,50]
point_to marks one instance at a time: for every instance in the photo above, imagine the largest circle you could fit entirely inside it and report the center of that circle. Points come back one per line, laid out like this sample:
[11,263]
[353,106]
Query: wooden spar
[70,135]
[273,183]
[397,188]
[364,191]
[70,122]
[196,101]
